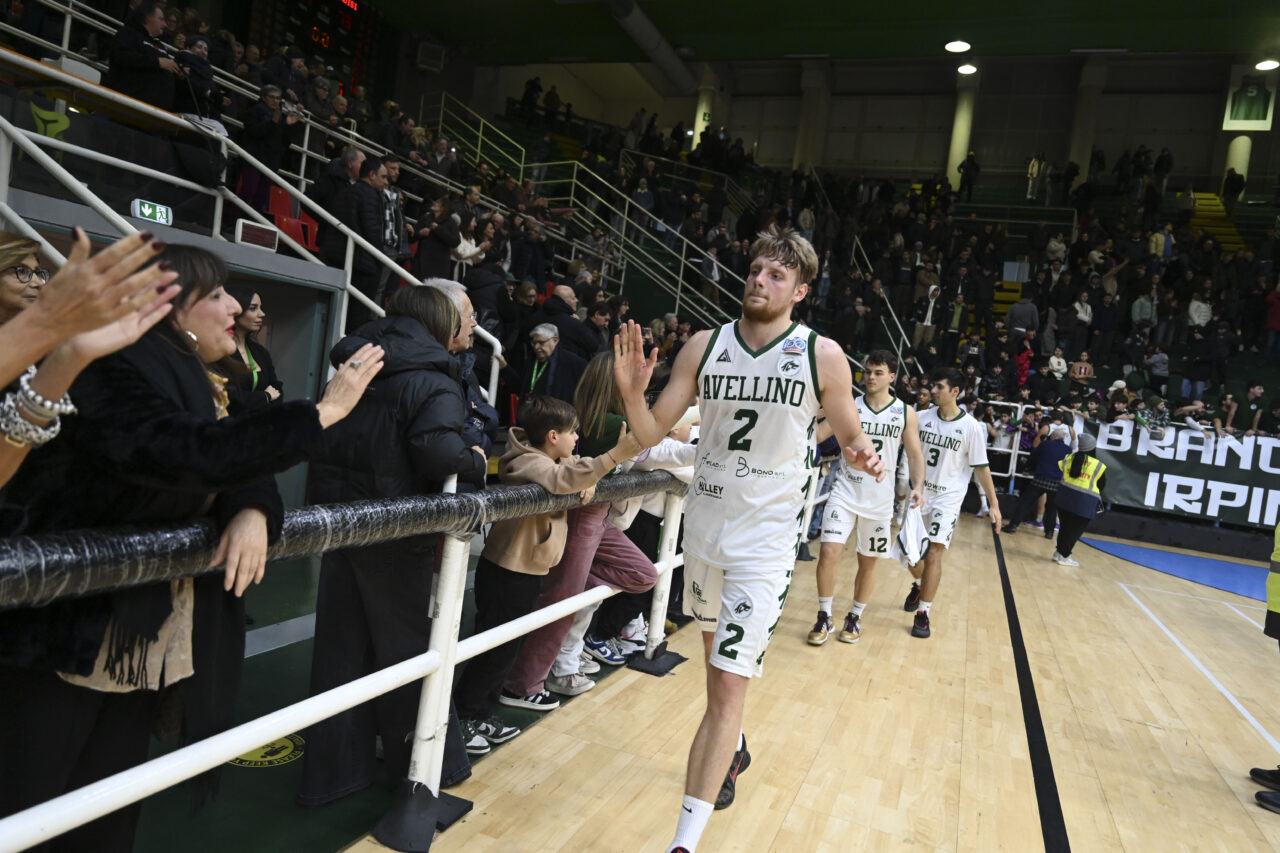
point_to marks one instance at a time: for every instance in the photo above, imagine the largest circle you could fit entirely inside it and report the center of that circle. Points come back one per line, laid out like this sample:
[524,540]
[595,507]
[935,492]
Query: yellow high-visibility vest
[1081,494]
[1272,627]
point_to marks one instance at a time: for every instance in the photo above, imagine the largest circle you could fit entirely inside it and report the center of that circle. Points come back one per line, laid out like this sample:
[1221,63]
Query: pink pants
[596,553]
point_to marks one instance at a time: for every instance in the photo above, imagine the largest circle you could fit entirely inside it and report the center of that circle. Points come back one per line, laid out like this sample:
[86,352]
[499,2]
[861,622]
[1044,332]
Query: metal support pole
[66,32]
[479,144]
[302,158]
[419,807]
[218,201]
[672,511]
[54,168]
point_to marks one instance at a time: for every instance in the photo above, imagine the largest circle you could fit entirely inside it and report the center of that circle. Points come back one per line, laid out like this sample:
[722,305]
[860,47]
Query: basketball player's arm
[915,458]
[632,371]
[989,489]
[835,381]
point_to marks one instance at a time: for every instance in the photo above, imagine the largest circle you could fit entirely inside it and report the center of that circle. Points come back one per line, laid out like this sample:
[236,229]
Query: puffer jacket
[405,436]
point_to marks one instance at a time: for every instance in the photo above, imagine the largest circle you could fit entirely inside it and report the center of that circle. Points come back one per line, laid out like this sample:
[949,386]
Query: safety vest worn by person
[1080,495]
[1272,626]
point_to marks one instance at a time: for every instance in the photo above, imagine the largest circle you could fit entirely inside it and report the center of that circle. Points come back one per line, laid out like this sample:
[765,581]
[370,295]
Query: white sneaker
[1063,561]
[636,631]
[984,512]
[587,665]
[569,685]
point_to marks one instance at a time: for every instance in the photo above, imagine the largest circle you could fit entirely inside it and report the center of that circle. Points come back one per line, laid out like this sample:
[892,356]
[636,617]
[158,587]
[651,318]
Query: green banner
[1184,472]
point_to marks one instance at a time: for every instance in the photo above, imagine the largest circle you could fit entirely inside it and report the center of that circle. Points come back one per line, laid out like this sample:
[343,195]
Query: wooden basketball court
[1157,695]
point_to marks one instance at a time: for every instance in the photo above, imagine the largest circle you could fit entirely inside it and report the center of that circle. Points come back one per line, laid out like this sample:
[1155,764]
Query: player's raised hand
[865,460]
[631,370]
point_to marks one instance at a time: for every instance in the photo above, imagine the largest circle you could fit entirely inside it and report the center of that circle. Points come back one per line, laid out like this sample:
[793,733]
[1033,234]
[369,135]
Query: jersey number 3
[739,440]
[934,453]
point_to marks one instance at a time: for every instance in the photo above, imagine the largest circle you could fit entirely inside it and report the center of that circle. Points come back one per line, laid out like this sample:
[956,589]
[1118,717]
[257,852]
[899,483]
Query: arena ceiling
[510,32]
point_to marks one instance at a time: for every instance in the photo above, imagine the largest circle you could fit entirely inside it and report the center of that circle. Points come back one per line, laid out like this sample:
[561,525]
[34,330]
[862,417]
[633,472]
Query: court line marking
[1204,671]
[1234,607]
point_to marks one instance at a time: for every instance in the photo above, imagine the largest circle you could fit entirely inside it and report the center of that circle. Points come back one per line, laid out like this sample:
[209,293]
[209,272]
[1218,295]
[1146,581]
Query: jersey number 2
[736,633]
[739,440]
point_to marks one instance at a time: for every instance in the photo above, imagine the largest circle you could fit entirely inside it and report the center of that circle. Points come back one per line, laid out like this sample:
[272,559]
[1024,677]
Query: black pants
[1071,529]
[56,737]
[501,596]
[1026,507]
[372,611]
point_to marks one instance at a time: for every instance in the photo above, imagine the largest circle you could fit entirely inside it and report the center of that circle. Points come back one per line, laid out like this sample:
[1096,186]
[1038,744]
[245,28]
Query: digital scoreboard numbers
[338,34]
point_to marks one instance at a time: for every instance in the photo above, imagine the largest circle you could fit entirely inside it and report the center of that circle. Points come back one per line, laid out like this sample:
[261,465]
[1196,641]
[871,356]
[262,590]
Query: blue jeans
[1273,343]
[1193,390]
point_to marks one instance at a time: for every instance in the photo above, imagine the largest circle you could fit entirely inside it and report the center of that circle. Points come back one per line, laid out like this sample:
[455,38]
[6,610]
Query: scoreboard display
[338,34]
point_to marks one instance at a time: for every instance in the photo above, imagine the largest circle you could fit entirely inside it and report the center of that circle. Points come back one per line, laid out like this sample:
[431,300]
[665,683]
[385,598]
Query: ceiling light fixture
[1267,65]
[957,46]
[968,69]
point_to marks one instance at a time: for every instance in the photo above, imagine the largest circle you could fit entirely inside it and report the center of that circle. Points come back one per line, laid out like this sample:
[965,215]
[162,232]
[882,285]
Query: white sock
[694,815]
[1039,518]
[984,504]
[857,608]
[742,742]
[824,604]
[923,607]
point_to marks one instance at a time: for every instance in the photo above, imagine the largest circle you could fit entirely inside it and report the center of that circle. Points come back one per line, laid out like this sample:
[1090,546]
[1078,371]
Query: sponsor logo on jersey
[697,592]
[711,490]
[789,365]
[896,409]
[743,608]
[745,470]
[707,462]
[753,389]
[724,358]
[795,346]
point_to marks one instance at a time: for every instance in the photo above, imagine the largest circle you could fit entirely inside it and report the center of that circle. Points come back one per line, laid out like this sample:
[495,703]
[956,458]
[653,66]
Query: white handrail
[76,808]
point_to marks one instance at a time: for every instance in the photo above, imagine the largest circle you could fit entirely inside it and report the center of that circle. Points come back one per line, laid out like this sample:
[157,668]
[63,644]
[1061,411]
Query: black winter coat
[573,332]
[264,137]
[405,436]
[434,258]
[135,68]
[145,448]
[359,207]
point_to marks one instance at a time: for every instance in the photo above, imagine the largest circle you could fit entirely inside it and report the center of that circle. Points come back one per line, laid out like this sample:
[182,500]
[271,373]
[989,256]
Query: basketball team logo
[743,608]
[283,751]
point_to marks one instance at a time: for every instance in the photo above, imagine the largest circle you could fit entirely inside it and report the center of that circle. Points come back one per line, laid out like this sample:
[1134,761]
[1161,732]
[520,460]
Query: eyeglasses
[23,273]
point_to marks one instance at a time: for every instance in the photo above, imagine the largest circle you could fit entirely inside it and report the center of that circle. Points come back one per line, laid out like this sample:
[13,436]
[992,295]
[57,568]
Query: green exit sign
[151,211]
[706,116]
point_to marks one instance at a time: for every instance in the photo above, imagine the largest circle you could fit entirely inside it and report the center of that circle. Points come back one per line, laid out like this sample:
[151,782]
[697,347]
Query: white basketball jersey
[952,449]
[755,449]
[859,490]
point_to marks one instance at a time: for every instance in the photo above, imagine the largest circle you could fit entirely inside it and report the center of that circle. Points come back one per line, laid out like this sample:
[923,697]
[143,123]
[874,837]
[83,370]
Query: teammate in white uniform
[858,504]
[955,448]
[760,382]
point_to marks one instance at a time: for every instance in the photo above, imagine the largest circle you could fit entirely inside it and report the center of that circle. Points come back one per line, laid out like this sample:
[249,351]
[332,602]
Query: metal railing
[702,178]
[37,570]
[32,143]
[479,137]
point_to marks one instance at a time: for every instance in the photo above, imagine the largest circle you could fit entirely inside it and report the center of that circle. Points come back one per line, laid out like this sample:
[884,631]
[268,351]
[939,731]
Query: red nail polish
[164,266]
[158,245]
[144,235]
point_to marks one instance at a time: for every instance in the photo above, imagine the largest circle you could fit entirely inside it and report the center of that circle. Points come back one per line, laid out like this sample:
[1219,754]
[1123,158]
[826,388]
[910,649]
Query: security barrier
[38,570]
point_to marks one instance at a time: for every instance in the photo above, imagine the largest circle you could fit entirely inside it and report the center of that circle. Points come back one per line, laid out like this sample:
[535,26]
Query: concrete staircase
[1211,215]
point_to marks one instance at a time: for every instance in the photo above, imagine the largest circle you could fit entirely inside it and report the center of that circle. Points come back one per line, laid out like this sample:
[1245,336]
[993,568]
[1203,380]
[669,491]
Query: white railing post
[218,202]
[672,512]
[302,157]
[410,824]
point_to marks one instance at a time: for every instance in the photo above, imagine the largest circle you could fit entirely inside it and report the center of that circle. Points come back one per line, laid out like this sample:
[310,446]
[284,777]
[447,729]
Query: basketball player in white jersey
[955,448]
[858,504]
[759,382]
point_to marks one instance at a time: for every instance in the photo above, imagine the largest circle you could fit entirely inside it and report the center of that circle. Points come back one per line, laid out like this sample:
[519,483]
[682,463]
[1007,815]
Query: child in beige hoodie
[518,552]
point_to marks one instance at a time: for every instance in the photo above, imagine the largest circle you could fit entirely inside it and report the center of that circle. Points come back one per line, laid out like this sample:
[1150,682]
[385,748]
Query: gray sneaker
[587,665]
[569,685]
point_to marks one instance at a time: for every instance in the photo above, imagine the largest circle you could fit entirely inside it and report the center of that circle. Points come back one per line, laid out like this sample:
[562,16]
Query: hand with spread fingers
[348,384]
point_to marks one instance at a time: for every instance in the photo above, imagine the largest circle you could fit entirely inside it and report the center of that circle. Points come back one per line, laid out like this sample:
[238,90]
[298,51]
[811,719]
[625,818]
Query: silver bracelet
[37,404]
[19,431]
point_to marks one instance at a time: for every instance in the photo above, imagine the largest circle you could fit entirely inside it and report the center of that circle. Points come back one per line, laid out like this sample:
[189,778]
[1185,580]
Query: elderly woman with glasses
[65,324]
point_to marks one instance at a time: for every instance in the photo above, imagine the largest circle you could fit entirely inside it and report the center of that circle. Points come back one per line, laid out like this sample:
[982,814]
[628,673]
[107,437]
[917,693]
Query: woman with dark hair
[372,609]
[257,384]
[86,680]
[1079,496]
[436,242]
